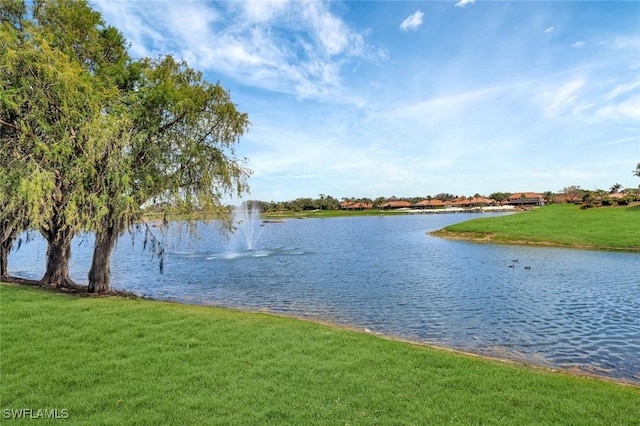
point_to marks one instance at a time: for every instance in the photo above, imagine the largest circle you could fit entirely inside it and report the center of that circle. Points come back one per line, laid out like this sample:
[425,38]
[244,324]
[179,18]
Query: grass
[115,360]
[611,228]
[287,214]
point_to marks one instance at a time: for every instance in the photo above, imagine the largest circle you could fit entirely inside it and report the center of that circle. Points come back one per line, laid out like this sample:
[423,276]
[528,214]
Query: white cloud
[263,11]
[627,42]
[622,89]
[412,22]
[335,115]
[463,3]
[125,16]
[436,109]
[629,109]
[559,100]
[329,32]
[293,47]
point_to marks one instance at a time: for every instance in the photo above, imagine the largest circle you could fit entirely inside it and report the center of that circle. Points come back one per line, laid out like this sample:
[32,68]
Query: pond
[555,307]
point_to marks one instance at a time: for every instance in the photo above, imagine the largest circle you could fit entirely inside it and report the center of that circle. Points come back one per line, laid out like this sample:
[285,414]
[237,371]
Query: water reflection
[570,308]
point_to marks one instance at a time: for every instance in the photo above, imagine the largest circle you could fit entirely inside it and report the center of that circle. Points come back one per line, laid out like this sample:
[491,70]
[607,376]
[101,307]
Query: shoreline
[514,360]
[308,214]
[490,238]
[521,361]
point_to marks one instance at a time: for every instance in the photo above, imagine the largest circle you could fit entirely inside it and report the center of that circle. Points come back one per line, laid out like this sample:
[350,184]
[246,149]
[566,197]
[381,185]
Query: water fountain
[246,218]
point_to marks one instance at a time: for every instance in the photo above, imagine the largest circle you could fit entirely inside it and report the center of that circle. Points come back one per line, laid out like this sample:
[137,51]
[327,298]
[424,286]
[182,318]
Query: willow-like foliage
[90,136]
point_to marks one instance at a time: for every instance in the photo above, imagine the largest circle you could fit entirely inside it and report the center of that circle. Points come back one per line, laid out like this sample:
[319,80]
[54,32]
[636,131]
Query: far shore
[377,212]
[491,239]
[563,225]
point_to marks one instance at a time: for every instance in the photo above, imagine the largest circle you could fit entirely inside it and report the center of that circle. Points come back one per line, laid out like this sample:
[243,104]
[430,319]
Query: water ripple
[571,309]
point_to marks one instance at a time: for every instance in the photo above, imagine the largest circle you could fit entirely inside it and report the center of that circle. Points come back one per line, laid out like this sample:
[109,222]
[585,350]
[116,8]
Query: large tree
[173,146]
[51,100]
[102,134]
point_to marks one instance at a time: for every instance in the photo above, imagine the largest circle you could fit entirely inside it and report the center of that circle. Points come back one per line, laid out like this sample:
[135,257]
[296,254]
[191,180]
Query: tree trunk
[5,248]
[7,235]
[58,256]
[99,274]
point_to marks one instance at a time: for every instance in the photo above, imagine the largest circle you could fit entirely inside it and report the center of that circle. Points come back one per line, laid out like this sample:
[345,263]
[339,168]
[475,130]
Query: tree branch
[172,123]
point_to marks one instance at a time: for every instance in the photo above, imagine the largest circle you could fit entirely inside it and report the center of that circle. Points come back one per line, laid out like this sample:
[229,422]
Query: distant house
[360,206]
[526,199]
[472,202]
[395,205]
[428,204]
[347,205]
[458,202]
[481,201]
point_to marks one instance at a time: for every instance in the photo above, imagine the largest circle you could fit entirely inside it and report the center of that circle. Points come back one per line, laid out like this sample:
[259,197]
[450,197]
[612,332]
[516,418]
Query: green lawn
[562,224]
[289,214]
[114,360]
[332,213]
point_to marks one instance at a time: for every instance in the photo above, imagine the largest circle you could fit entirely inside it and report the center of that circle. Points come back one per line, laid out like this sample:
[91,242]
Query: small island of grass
[562,225]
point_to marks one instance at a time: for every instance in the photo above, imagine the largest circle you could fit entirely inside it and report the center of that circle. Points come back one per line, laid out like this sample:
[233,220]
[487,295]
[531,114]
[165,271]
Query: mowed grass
[305,214]
[120,360]
[562,225]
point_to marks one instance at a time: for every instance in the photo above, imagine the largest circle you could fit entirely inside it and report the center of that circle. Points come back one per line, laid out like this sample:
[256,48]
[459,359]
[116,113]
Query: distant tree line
[327,202]
[569,194]
[598,197]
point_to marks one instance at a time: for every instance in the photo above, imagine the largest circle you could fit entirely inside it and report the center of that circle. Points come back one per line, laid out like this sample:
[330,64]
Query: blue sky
[394,98]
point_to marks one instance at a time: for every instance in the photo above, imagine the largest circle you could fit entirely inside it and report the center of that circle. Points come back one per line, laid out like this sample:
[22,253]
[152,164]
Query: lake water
[572,309]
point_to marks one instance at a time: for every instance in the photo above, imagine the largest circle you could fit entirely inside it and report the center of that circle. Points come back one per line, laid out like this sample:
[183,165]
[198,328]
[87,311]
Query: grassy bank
[612,228]
[288,214]
[132,361]
[330,213]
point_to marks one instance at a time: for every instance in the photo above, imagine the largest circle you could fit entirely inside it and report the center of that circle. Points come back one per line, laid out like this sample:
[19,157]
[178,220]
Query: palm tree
[615,188]
[636,172]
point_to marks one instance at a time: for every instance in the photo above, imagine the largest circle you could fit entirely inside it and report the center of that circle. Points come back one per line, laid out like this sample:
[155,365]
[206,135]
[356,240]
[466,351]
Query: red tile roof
[429,203]
[395,204]
[459,202]
[482,200]
[525,195]
[360,206]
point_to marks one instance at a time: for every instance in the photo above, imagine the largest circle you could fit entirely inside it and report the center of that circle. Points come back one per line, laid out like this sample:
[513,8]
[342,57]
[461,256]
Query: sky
[413,98]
